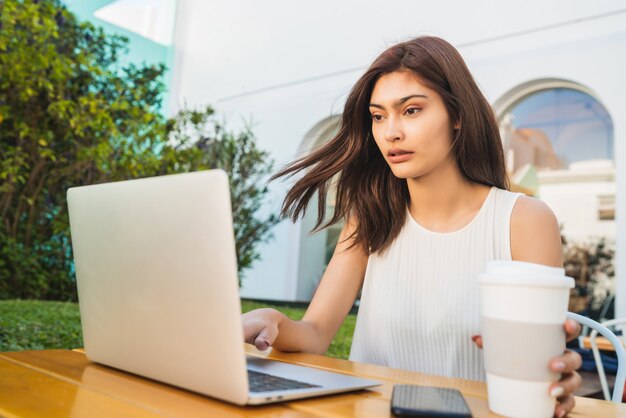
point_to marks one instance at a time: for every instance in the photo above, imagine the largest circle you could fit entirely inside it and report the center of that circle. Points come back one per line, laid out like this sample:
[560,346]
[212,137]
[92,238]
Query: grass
[36,325]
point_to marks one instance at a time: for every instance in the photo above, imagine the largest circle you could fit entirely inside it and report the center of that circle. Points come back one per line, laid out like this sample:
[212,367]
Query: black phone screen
[424,401]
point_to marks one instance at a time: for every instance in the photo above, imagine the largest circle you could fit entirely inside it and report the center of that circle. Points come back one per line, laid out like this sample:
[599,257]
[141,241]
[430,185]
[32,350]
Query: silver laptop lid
[157,280]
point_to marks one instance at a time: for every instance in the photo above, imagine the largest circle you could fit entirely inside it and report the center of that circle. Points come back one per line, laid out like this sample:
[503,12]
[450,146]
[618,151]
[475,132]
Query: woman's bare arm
[331,303]
[535,234]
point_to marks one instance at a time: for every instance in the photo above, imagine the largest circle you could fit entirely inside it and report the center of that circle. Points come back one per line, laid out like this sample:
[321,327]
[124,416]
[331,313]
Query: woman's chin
[404,174]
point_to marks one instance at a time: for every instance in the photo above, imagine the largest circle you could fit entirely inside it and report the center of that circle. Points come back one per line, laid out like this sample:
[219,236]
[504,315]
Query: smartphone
[424,401]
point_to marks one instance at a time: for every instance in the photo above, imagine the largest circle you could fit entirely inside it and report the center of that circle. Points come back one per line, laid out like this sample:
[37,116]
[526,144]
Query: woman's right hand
[260,327]
[331,303]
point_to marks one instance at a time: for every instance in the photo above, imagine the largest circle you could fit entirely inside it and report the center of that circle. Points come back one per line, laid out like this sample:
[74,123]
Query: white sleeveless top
[420,301]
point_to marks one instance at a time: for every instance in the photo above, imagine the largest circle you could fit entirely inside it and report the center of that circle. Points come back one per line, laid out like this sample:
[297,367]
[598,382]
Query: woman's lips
[398,155]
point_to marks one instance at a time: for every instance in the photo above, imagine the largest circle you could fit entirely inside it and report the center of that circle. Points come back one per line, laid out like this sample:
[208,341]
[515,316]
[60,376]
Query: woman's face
[410,125]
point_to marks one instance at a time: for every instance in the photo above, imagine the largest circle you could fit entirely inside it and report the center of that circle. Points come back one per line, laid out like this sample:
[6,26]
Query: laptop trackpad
[302,373]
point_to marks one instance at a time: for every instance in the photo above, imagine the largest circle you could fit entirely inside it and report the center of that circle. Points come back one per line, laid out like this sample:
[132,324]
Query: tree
[198,140]
[71,114]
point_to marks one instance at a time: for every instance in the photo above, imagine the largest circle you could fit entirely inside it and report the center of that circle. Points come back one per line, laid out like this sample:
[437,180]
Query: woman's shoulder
[532,210]
[535,232]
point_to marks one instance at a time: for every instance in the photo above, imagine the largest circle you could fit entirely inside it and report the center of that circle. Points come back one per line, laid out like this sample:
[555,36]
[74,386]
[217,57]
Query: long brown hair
[366,188]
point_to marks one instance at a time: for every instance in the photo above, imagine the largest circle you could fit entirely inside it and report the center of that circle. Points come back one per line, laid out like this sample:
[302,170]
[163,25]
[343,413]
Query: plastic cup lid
[516,273]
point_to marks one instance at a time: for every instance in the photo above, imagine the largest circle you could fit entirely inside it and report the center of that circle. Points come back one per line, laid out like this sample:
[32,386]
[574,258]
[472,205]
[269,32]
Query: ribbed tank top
[420,304]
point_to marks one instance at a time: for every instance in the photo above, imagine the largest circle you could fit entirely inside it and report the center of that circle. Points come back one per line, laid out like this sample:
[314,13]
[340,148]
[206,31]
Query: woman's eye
[412,110]
[377,118]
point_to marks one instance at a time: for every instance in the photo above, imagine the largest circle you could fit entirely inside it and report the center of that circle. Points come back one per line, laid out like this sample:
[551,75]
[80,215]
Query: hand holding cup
[524,307]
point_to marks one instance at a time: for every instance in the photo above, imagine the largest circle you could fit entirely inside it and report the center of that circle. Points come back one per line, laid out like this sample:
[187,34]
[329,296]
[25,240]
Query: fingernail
[556,392]
[558,366]
[561,413]
[474,338]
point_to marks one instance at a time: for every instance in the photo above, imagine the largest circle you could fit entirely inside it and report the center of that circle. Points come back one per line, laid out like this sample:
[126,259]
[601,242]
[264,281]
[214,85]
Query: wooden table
[601,342]
[63,383]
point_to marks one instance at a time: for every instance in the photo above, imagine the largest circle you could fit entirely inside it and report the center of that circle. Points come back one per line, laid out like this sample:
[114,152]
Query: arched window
[558,142]
[316,249]
[554,129]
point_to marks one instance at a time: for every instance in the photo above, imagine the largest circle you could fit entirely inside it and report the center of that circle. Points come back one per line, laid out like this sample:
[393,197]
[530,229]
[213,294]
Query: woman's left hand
[567,364]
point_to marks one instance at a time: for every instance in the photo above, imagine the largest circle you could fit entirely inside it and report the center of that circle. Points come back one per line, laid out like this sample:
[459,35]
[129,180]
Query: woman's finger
[266,337]
[567,363]
[478,340]
[567,385]
[565,405]
[251,328]
[572,329]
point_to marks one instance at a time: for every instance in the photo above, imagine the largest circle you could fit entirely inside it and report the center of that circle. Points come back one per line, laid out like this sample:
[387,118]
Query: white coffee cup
[524,307]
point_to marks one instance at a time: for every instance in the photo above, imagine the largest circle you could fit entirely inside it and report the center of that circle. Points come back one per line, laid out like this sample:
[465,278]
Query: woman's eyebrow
[400,101]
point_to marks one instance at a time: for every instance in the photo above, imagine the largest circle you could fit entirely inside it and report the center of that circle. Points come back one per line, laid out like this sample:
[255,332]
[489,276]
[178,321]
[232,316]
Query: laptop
[158,290]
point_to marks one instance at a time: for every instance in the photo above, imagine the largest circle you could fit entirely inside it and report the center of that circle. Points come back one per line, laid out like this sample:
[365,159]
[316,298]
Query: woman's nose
[393,132]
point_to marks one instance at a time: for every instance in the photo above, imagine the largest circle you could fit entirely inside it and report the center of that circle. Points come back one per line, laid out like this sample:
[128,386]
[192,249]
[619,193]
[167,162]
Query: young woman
[422,189]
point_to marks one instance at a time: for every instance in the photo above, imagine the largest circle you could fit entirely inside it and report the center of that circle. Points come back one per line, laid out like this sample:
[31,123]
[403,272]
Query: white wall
[288,65]
[576,203]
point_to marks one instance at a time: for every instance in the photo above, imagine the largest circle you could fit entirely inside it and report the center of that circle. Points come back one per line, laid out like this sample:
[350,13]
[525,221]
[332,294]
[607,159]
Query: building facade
[553,72]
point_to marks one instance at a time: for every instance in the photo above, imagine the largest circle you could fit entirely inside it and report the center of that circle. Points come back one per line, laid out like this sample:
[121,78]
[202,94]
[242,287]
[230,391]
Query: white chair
[601,319]
[596,353]
[620,378]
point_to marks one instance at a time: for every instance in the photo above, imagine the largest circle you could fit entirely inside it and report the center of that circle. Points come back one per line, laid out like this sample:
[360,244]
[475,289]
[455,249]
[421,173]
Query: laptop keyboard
[263,382]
